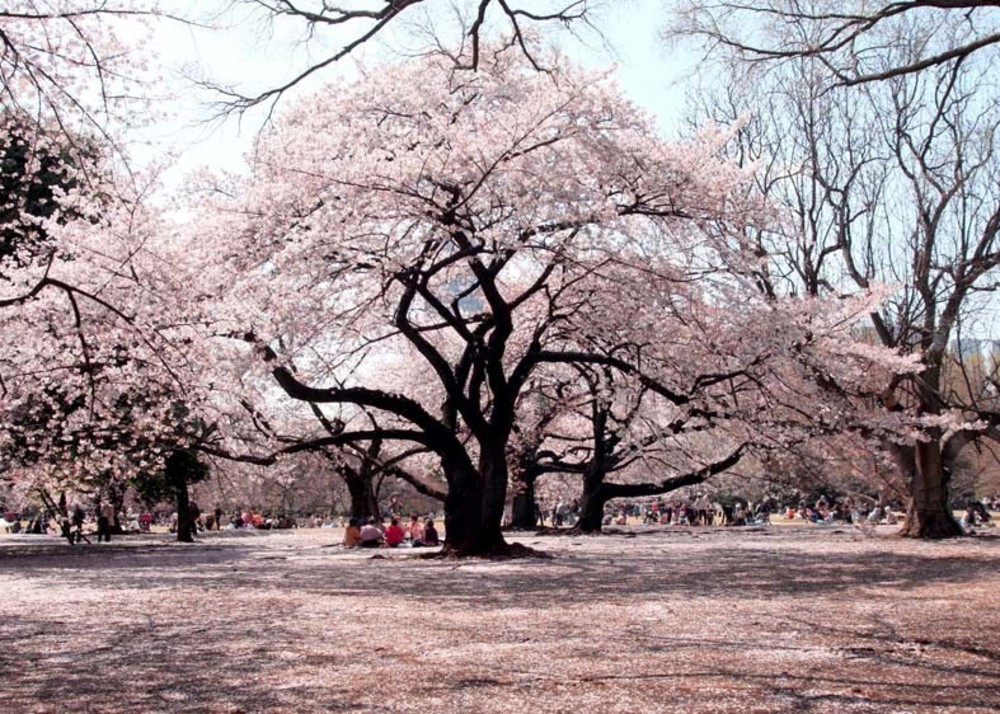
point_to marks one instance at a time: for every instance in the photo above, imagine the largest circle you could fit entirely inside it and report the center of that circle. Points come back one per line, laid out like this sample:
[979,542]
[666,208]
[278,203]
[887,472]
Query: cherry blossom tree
[471,230]
[363,466]
[257,427]
[97,379]
[54,352]
[80,68]
[88,378]
[718,385]
[451,218]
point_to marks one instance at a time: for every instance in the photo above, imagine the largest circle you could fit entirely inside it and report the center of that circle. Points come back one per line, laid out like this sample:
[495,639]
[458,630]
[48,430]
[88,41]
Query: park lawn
[671,619]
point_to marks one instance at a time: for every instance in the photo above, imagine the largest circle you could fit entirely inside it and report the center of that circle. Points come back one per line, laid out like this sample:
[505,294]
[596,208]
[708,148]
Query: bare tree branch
[364,21]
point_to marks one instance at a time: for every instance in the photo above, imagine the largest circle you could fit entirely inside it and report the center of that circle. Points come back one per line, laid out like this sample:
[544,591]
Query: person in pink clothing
[371,535]
[416,530]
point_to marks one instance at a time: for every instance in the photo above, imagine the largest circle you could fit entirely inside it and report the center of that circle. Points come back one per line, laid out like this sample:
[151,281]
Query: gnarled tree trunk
[928,514]
[364,504]
[592,501]
[185,525]
[473,509]
[524,515]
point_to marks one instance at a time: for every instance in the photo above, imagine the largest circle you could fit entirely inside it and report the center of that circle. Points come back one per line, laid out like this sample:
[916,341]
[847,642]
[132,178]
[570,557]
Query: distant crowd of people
[698,510]
[844,510]
[105,520]
[247,519]
[847,510]
[703,510]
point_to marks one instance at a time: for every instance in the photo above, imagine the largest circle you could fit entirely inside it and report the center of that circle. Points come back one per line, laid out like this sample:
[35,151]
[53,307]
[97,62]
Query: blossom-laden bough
[425,244]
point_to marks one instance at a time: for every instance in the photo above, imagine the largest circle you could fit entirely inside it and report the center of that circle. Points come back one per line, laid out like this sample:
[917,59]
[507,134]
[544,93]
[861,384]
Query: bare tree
[895,182]
[847,38]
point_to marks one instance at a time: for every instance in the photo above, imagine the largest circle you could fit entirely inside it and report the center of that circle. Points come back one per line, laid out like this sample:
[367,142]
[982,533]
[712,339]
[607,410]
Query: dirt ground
[676,620]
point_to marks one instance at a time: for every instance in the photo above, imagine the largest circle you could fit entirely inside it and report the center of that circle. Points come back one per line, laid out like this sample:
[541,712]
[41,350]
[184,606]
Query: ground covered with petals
[714,620]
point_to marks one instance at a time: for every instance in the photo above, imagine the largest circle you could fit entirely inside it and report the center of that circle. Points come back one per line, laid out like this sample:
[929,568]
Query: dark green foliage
[181,468]
[32,174]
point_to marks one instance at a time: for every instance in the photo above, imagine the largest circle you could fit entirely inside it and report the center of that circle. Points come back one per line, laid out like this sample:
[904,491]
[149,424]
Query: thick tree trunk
[185,526]
[473,510]
[466,532]
[363,501]
[928,514]
[594,496]
[524,514]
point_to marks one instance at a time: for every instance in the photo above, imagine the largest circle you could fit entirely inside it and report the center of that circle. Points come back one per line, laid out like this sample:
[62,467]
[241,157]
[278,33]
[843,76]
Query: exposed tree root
[931,527]
[502,551]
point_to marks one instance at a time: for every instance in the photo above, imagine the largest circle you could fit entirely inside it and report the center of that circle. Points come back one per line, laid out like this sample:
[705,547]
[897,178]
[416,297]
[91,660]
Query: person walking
[78,519]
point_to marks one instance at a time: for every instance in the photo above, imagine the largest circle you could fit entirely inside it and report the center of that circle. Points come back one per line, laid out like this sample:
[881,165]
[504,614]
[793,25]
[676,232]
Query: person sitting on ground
[371,535]
[982,515]
[133,526]
[416,530]
[739,515]
[975,515]
[13,522]
[352,534]
[394,534]
[431,534]
[969,520]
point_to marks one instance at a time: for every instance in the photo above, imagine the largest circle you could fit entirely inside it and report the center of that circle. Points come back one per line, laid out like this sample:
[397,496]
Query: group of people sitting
[842,510]
[374,534]
[976,515]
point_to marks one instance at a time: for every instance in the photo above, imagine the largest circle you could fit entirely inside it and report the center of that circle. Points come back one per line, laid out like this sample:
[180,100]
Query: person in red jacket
[394,534]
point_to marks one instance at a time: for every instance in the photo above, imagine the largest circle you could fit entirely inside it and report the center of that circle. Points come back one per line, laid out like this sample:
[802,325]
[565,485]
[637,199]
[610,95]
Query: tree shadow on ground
[759,567]
[181,668]
[170,629]
[173,667]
